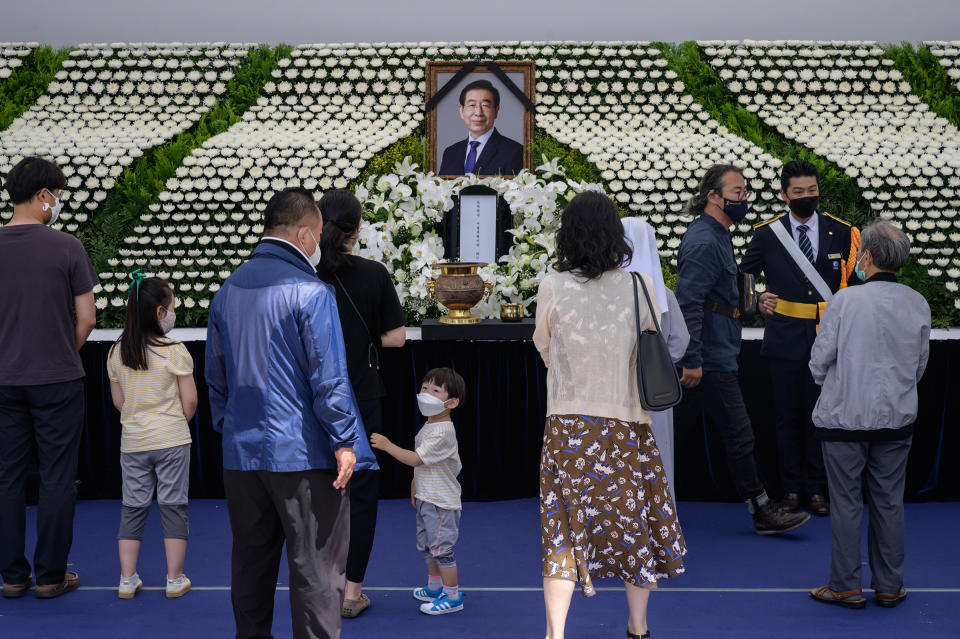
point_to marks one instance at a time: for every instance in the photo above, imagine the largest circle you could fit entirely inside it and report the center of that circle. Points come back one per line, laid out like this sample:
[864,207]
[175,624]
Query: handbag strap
[355,309]
[636,302]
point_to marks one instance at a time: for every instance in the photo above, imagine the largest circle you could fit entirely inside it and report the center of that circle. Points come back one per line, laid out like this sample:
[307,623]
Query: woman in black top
[371,318]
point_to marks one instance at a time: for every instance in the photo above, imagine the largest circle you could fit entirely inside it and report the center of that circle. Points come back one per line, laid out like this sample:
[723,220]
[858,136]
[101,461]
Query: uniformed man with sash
[806,256]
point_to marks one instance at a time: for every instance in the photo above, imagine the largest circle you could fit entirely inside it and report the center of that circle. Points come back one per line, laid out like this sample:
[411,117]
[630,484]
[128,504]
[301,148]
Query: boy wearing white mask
[435,491]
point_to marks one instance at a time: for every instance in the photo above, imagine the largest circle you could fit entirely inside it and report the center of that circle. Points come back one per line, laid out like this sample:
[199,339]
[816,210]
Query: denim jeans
[724,406]
[48,417]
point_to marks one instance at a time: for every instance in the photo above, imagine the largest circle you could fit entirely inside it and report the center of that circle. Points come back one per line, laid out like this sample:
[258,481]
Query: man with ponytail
[45,279]
[708,296]
[280,394]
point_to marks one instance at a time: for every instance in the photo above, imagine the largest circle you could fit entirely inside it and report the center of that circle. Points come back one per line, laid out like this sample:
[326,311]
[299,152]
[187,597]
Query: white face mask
[167,322]
[430,405]
[56,208]
[315,257]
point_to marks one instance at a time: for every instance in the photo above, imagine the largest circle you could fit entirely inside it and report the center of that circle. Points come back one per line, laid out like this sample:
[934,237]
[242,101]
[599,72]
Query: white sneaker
[443,605]
[178,587]
[129,586]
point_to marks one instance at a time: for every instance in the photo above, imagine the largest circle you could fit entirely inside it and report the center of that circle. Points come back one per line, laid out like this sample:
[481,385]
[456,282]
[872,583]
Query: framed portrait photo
[480,125]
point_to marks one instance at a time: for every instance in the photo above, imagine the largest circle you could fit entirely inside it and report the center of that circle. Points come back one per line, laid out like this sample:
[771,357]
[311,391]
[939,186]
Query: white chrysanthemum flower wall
[329,109]
[948,55]
[12,55]
[846,102]
[624,109]
[323,116]
[107,106]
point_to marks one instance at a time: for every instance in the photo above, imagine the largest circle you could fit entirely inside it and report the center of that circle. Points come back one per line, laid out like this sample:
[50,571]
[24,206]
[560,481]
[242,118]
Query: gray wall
[64,22]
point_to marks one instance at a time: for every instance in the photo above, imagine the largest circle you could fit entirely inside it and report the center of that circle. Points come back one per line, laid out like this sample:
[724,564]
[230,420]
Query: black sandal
[645,635]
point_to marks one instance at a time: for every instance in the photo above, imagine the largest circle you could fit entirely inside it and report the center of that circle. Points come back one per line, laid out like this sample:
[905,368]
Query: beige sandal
[353,607]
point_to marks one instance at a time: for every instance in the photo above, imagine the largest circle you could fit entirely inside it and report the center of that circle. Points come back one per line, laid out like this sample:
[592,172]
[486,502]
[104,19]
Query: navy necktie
[805,244]
[471,157]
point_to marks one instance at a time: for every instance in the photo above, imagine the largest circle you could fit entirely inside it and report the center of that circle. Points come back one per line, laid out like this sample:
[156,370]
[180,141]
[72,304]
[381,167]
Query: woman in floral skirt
[605,506]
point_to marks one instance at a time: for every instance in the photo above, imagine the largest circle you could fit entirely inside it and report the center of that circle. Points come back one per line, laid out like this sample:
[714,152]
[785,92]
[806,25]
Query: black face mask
[804,207]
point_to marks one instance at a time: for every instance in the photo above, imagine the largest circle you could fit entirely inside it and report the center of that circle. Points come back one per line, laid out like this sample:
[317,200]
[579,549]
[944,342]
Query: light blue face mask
[858,272]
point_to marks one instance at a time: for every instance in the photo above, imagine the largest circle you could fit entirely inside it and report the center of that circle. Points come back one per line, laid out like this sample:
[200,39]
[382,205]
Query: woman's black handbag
[657,377]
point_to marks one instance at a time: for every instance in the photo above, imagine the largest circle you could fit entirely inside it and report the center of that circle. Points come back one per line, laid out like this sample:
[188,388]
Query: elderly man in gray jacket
[869,355]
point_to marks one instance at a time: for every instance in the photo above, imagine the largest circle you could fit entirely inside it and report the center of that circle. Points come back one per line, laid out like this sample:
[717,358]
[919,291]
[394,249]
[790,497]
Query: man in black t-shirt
[46,278]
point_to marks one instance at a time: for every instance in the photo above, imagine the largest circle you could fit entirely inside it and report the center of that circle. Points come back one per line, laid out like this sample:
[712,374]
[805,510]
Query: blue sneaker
[425,594]
[442,605]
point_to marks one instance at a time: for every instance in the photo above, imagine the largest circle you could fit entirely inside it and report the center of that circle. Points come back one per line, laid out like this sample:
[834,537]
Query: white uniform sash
[793,250]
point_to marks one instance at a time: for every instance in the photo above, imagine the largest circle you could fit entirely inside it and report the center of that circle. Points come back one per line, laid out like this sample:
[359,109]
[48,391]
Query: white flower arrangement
[403,209]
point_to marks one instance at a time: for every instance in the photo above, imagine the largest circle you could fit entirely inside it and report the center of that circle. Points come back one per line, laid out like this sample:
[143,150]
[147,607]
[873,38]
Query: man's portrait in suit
[480,122]
[485,151]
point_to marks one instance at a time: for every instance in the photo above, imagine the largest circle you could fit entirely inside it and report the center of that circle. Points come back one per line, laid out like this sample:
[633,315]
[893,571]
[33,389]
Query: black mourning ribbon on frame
[465,70]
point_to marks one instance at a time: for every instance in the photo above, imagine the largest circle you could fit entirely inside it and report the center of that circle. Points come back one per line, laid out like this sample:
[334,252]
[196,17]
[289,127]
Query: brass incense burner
[511,312]
[459,288]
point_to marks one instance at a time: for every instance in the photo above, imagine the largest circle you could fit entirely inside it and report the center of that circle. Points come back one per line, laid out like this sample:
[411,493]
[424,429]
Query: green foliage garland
[382,163]
[28,82]
[941,301]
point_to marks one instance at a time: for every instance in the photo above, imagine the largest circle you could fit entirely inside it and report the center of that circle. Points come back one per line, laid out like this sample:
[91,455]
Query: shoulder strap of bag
[801,260]
[636,302]
[354,306]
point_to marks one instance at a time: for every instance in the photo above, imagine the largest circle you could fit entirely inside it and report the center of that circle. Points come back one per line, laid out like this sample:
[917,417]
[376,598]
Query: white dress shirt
[483,139]
[280,239]
[813,232]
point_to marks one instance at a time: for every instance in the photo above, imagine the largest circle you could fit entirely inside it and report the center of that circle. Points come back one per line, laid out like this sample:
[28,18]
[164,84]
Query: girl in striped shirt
[151,381]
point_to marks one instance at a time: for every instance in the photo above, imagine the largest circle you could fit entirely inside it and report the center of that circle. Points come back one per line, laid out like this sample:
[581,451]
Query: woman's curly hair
[591,241]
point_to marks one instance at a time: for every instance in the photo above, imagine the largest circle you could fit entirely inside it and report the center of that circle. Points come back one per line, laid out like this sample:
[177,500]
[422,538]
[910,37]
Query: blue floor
[737,584]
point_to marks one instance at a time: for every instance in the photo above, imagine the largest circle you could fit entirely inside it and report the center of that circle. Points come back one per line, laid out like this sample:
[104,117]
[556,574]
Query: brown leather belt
[722,309]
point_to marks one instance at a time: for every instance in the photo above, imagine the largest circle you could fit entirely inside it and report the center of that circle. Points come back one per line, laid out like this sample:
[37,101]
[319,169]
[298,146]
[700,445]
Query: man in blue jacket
[280,394]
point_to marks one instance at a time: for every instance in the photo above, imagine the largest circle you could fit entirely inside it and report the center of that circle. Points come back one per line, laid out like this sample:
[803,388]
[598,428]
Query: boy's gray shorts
[437,533]
[166,472]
